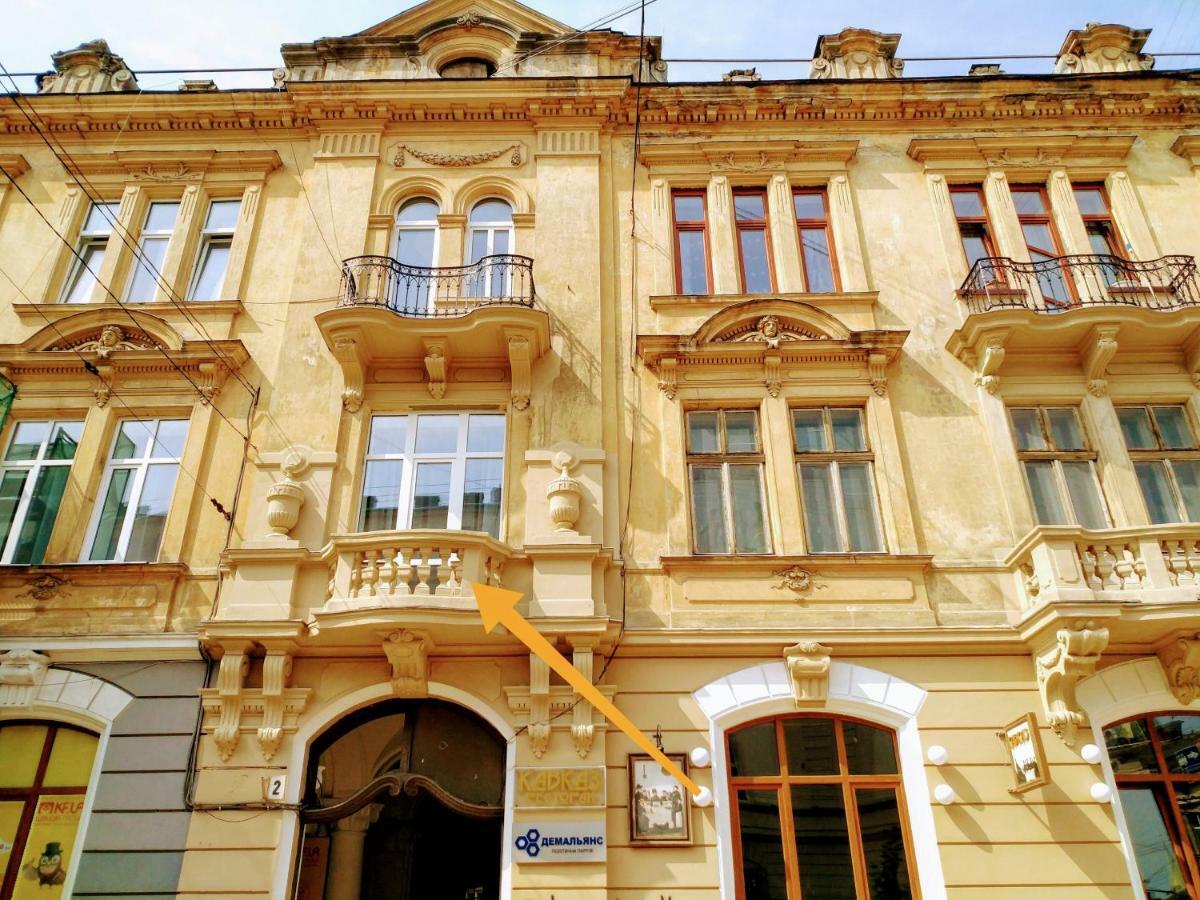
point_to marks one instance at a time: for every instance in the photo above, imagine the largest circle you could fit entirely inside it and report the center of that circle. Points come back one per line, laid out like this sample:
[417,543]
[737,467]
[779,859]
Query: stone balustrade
[411,568]
[1159,563]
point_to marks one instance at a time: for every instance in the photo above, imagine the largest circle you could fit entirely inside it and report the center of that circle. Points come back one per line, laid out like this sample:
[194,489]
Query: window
[692,274]
[216,242]
[817,811]
[43,788]
[816,240]
[971,213]
[833,464]
[93,241]
[34,475]
[434,471]
[490,233]
[1156,764]
[416,247]
[468,67]
[1041,240]
[1162,445]
[138,482]
[725,469]
[152,251]
[1103,237]
[1060,468]
[754,247]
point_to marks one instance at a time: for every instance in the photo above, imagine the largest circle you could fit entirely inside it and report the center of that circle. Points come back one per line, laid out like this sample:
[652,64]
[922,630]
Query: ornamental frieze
[457,160]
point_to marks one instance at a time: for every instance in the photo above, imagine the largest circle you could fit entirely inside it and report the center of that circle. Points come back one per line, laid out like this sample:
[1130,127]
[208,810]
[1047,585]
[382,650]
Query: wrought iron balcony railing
[426,292]
[1069,282]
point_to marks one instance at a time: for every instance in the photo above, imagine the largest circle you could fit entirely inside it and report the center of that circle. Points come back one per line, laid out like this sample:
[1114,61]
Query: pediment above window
[1083,155]
[758,340]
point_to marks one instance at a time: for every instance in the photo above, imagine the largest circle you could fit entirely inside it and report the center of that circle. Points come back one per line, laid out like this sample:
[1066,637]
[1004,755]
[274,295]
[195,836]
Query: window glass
[689,208]
[809,205]
[492,210]
[749,206]
[822,842]
[169,438]
[810,745]
[21,749]
[1187,477]
[745,485]
[27,440]
[40,516]
[1028,202]
[222,215]
[71,759]
[869,750]
[485,434]
[33,478]
[703,435]
[754,751]
[213,262]
[388,435]
[818,268]
[848,433]
[1173,427]
[708,519]
[1180,738]
[481,495]
[967,203]
[153,505]
[859,501]
[1083,490]
[741,431]
[437,434]
[1064,428]
[809,428]
[1044,488]
[419,209]
[1156,491]
[756,268]
[380,502]
[431,496]
[1135,426]
[83,280]
[883,843]
[763,871]
[692,263]
[1091,201]
[1028,429]
[816,489]
[64,440]
[100,218]
[1129,748]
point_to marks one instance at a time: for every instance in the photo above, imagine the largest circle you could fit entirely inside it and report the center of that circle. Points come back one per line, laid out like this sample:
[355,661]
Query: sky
[161,34]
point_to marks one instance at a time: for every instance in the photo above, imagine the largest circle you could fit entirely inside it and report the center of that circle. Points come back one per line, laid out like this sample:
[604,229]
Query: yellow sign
[498,607]
[546,787]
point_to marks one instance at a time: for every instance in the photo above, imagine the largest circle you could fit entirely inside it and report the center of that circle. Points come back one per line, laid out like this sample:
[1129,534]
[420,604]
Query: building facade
[844,431]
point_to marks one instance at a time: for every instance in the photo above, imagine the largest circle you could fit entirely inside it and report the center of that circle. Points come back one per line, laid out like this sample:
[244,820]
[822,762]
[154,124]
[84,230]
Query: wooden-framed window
[43,788]
[834,465]
[970,211]
[693,273]
[1156,764]
[1041,240]
[811,206]
[1162,444]
[725,472]
[33,477]
[754,244]
[1059,466]
[1103,237]
[89,253]
[818,810]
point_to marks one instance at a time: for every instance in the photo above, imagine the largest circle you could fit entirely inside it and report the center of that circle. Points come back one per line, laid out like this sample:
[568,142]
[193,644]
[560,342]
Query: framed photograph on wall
[1024,745]
[660,810]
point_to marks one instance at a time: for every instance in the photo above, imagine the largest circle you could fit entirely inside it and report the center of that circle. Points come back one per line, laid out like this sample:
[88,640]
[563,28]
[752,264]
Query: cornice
[14,164]
[1188,146]
[974,155]
[739,156]
[176,165]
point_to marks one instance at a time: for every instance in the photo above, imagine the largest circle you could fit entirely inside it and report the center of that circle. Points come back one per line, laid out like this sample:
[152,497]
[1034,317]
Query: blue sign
[560,842]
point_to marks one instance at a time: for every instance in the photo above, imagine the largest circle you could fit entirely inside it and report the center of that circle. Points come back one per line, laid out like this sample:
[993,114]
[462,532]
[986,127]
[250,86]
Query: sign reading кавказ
[558,842]
[550,787]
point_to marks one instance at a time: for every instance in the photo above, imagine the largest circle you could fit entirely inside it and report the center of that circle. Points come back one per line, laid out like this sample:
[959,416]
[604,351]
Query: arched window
[817,810]
[489,238]
[43,782]
[1156,762]
[416,248]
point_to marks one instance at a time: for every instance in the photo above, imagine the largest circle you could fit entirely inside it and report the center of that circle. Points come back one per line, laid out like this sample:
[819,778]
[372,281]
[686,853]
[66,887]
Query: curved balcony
[427,292]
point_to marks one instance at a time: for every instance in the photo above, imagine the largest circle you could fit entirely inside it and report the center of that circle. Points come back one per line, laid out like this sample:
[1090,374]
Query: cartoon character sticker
[48,870]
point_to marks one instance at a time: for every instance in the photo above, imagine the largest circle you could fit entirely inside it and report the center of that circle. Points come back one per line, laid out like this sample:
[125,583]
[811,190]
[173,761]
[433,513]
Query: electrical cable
[606,19]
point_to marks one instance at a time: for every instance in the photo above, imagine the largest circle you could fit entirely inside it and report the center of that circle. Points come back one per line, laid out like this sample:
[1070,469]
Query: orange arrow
[498,607]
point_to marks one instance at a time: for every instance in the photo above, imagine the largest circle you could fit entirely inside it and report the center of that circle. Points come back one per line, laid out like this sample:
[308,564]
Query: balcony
[1018,314]
[425,292]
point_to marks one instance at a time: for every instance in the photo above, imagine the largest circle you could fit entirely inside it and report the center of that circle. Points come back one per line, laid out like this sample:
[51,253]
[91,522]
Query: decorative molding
[90,68]
[230,675]
[564,493]
[808,670]
[408,653]
[796,579]
[877,372]
[346,350]
[539,706]
[856,53]
[436,365]
[277,669]
[1181,664]
[1101,348]
[668,373]
[1095,155]
[520,366]
[348,145]
[456,160]
[14,164]
[583,730]
[772,377]
[1074,656]
[226,167]
[989,362]
[568,142]
[22,671]
[1103,48]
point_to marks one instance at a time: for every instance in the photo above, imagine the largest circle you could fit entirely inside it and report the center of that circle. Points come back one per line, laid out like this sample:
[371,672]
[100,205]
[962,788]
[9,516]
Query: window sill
[684,302]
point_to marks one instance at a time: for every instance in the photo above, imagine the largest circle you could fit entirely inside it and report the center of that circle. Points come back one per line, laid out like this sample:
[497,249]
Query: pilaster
[722,245]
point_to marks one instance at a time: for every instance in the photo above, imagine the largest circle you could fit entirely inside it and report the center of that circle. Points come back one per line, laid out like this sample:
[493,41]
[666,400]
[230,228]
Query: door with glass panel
[1041,240]
[818,811]
[413,291]
[1156,763]
[489,234]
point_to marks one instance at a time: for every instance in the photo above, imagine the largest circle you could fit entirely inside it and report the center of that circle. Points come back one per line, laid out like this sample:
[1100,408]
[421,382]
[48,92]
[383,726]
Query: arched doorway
[404,800]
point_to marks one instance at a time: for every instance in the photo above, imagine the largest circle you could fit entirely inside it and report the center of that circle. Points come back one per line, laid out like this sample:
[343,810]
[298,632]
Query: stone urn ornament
[564,493]
[283,506]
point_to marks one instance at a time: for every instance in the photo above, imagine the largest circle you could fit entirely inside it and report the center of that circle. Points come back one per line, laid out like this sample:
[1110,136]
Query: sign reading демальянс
[536,841]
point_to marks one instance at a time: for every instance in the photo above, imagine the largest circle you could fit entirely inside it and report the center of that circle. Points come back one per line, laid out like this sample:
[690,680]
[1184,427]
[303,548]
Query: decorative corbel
[212,377]
[668,375]
[345,349]
[520,369]
[539,705]
[436,365]
[1073,657]
[583,732]
[877,372]
[808,669]
[106,377]
[22,671]
[1181,664]
[771,373]
[1191,357]
[1101,347]
[277,668]
[230,677]
[989,362]
[408,652]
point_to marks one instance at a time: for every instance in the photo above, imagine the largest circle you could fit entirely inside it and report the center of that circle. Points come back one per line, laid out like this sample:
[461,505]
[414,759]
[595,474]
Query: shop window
[1156,763]
[89,252]
[970,212]
[816,240]
[1059,466]
[818,811]
[754,245]
[434,470]
[43,787]
[725,471]
[1162,444]
[139,480]
[152,251]
[834,465]
[216,243]
[33,477]
[692,269]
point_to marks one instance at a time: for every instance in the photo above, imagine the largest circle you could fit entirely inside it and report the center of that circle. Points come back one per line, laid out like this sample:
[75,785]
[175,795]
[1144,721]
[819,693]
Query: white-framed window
[1059,466]
[152,247]
[490,233]
[725,473]
[216,240]
[93,241]
[834,464]
[434,470]
[139,480]
[33,476]
[416,248]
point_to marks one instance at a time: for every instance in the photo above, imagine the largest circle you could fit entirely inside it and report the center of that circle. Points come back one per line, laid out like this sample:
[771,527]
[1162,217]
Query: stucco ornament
[408,653]
[1073,657]
[857,53]
[808,669]
[1181,664]
[456,160]
[22,671]
[564,493]
[284,501]
[231,675]
[44,587]
[1103,48]
[797,579]
[90,68]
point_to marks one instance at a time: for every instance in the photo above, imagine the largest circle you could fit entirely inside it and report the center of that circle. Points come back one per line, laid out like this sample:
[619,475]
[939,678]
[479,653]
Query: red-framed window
[817,254]
[970,211]
[755,270]
[693,268]
[1103,236]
